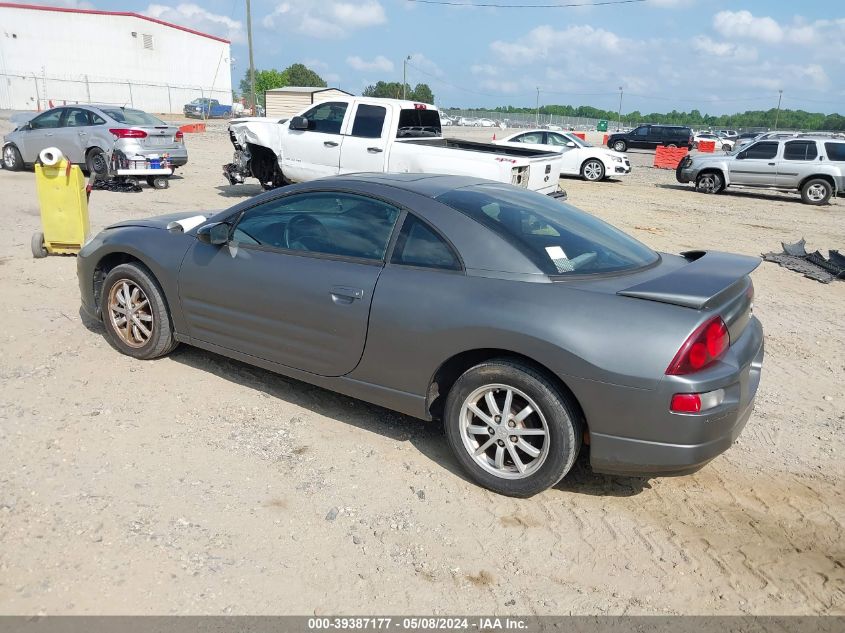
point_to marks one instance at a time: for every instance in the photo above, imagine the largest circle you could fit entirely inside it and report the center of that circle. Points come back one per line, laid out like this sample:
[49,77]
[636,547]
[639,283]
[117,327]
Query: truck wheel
[620,146]
[12,158]
[38,248]
[816,191]
[709,182]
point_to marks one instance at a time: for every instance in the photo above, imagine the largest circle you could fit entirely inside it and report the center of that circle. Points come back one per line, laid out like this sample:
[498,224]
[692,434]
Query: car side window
[369,121]
[326,117]
[48,120]
[532,137]
[800,150]
[96,119]
[558,140]
[764,149]
[641,131]
[326,223]
[835,151]
[418,245]
[77,117]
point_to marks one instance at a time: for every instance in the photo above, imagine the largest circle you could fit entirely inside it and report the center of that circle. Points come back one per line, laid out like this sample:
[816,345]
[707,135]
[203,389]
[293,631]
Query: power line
[457,3]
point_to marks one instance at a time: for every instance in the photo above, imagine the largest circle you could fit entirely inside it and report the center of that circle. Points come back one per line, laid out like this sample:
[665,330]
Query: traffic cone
[494,136]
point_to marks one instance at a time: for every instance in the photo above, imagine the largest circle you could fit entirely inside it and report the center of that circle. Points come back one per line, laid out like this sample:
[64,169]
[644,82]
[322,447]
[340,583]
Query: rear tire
[96,162]
[816,191]
[545,423]
[135,313]
[12,159]
[620,146]
[709,182]
[672,145]
[39,250]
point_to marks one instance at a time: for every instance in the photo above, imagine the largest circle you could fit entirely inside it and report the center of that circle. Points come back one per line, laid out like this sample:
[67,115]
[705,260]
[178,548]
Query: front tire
[620,146]
[592,170]
[135,313]
[816,191]
[511,429]
[96,162]
[12,159]
[709,182]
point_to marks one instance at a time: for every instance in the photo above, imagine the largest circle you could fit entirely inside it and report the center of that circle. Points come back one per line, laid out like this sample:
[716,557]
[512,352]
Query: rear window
[559,238]
[800,150]
[133,117]
[835,151]
[418,123]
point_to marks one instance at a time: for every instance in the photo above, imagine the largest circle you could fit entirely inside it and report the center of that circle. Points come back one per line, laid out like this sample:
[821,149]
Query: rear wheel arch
[826,177]
[453,368]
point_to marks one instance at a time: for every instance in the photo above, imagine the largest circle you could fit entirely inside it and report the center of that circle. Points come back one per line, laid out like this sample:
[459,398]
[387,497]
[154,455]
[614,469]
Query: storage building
[60,55]
[285,102]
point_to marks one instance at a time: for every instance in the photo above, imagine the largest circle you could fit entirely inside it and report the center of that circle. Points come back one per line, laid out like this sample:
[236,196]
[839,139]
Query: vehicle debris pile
[812,265]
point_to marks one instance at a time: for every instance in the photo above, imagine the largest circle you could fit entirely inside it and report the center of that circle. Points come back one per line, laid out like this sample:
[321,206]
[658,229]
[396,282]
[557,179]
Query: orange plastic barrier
[669,157]
[193,127]
[580,135]
[707,146]
[604,140]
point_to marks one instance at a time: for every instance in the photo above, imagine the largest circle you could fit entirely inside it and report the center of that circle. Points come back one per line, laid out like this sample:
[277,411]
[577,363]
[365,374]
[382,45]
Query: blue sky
[718,56]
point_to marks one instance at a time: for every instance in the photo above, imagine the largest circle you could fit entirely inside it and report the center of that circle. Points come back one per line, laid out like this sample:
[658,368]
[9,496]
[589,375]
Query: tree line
[787,119]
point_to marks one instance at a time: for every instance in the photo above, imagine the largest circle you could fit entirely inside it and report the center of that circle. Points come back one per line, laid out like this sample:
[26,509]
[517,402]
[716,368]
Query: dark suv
[650,136]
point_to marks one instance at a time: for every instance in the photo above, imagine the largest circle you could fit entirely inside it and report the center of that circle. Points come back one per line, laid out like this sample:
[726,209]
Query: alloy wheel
[130,313]
[593,170]
[9,158]
[816,192]
[504,431]
[707,183]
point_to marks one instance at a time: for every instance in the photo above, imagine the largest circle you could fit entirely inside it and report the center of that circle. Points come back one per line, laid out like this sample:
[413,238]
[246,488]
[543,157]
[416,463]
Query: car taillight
[128,133]
[703,348]
[686,403]
[180,136]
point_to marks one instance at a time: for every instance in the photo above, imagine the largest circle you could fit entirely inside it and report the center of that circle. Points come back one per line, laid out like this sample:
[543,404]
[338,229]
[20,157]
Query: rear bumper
[692,439]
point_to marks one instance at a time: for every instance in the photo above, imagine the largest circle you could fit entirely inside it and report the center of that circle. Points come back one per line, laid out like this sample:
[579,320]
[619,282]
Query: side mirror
[571,144]
[299,123]
[216,233]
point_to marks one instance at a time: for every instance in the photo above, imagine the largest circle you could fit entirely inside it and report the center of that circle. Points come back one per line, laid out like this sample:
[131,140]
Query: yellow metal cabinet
[64,209]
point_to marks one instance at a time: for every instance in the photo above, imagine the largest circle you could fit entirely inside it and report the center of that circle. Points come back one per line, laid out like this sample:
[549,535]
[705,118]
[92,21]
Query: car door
[295,281]
[756,165]
[73,137]
[640,137]
[365,143]
[39,134]
[799,157]
[571,156]
[315,152]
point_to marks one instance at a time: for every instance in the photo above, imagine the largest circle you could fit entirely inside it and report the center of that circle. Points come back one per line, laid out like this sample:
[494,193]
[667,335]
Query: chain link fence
[525,120]
[41,92]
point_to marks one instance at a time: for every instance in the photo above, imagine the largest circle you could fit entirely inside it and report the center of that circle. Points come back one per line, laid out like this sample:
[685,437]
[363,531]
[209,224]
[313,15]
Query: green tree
[293,75]
[393,90]
[422,93]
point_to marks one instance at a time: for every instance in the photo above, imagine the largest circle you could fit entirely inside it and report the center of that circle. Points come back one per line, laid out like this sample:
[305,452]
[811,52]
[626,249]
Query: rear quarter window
[835,151]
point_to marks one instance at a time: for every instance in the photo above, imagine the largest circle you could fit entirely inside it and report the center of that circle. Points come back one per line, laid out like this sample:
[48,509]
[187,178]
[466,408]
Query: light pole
[619,114]
[251,63]
[537,122]
[405,74]
[777,113]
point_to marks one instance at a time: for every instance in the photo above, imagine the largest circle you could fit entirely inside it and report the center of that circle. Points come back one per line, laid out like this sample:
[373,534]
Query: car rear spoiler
[708,275]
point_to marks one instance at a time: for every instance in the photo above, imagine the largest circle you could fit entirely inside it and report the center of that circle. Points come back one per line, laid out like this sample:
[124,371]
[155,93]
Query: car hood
[184,219]
[701,159]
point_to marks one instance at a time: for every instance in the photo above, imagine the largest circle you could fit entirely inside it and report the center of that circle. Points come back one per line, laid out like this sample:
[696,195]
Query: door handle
[771,163]
[329,143]
[374,150]
[83,133]
[345,295]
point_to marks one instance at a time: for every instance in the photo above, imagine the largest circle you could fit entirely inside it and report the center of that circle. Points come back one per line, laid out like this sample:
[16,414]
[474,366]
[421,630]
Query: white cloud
[326,20]
[740,24]
[484,69]
[546,43]
[727,50]
[379,63]
[194,16]
[776,77]
[426,65]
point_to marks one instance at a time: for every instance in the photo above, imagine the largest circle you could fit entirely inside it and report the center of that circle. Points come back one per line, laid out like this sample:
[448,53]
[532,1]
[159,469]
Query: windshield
[559,238]
[578,140]
[133,117]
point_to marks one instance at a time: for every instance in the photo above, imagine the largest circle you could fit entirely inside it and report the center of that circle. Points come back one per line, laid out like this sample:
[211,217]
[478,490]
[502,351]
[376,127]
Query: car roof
[429,185]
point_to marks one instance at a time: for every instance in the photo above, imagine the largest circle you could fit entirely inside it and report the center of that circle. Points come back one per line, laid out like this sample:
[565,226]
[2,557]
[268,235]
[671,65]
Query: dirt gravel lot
[195,484]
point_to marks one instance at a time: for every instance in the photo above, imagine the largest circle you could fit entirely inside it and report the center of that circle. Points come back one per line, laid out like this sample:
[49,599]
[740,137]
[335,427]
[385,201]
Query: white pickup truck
[359,134]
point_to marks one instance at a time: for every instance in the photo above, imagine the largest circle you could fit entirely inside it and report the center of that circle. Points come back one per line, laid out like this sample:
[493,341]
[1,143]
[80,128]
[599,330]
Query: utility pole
[537,122]
[251,63]
[777,113]
[619,114]
[405,74]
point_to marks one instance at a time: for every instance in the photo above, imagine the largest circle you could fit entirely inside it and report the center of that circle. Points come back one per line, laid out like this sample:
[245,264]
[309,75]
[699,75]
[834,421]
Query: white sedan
[579,157]
[720,141]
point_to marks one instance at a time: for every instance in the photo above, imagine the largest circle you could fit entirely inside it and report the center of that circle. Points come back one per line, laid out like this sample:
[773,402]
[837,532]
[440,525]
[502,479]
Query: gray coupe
[530,328]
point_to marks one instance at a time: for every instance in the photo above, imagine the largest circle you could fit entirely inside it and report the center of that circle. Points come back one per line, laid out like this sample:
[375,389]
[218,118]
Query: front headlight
[616,159]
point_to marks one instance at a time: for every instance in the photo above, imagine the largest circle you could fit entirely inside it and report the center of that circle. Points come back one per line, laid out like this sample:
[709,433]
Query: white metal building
[61,55]
[285,102]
